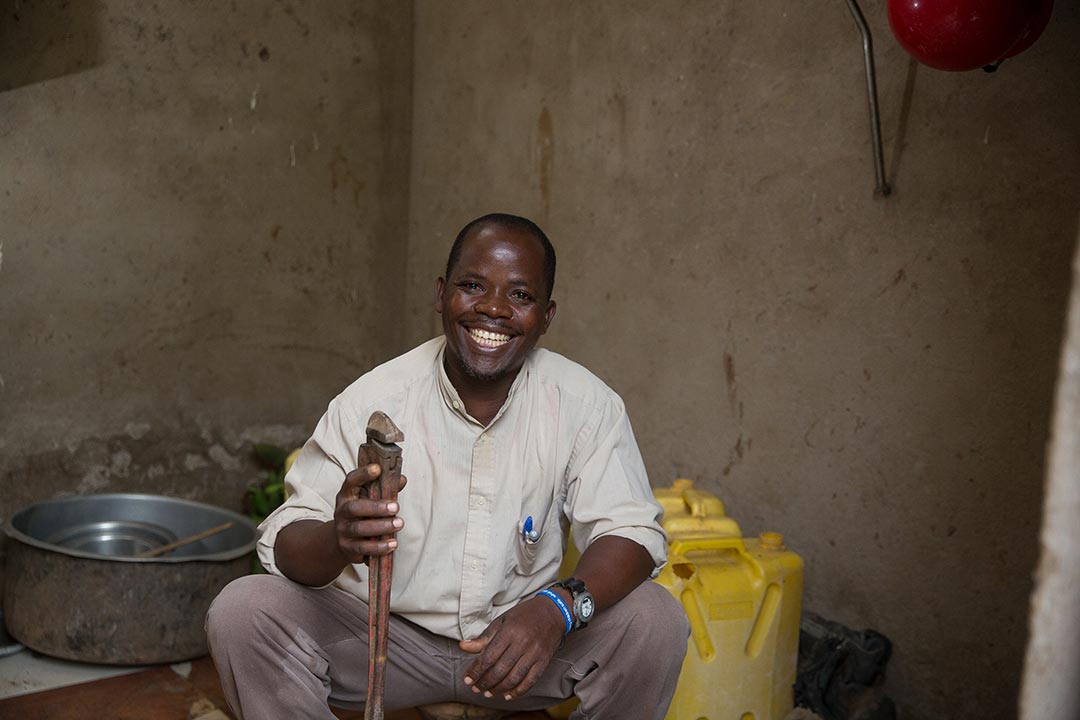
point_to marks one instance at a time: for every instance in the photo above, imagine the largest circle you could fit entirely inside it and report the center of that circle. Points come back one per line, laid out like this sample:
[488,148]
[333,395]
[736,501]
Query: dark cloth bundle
[840,671]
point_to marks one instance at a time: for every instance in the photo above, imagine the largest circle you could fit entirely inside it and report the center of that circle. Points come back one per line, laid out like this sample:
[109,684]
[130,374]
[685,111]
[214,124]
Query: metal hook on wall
[882,188]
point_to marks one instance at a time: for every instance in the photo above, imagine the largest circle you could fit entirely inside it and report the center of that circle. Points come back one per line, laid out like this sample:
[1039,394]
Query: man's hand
[314,553]
[359,520]
[515,649]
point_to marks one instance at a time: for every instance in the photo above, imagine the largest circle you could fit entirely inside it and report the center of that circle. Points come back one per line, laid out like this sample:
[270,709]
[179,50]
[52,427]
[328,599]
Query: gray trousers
[285,651]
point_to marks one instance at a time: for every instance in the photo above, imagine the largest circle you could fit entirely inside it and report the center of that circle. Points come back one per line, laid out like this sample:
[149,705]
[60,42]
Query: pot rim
[15,534]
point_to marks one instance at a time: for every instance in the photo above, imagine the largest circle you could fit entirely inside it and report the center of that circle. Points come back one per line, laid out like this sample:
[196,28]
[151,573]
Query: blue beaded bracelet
[567,615]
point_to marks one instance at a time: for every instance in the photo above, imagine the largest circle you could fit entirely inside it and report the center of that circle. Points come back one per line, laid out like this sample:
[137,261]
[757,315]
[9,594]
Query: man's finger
[483,646]
[358,549]
[368,508]
[373,527]
[527,683]
[474,646]
[479,643]
[514,677]
[361,476]
[489,669]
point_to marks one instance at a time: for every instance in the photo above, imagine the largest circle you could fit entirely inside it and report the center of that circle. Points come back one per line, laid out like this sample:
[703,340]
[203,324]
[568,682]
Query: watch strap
[574,585]
[577,589]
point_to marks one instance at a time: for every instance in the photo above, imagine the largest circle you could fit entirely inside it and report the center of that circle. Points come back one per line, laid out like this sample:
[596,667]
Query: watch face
[586,608]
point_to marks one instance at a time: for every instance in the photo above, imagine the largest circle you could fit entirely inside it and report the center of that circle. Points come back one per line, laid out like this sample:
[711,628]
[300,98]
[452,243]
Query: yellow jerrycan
[743,598]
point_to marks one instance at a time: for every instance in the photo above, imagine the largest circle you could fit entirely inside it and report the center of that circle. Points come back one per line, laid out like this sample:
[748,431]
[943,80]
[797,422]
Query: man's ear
[440,285]
[549,315]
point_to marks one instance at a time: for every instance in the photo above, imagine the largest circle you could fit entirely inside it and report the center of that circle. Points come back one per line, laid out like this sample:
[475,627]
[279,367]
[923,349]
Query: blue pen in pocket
[528,534]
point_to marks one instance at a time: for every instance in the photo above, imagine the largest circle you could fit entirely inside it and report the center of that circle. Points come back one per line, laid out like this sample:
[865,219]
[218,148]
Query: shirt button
[457,405]
[480,501]
[475,565]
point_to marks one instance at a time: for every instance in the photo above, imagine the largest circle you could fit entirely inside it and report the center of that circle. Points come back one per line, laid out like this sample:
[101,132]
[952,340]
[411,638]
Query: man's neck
[483,398]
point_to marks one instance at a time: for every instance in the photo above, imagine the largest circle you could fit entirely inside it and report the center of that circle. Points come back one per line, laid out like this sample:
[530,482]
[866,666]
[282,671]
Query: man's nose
[493,305]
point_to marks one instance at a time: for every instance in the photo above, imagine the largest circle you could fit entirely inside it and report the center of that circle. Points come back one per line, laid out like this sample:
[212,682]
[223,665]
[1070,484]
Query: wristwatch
[584,607]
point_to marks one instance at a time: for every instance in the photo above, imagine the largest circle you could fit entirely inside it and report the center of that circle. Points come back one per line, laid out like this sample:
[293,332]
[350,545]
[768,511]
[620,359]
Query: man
[506,449]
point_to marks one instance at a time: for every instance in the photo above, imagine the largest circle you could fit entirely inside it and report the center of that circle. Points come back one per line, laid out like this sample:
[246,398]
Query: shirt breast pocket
[539,545]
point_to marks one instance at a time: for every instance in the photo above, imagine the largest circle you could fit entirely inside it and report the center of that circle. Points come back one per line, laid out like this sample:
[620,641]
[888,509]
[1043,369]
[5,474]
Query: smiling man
[508,447]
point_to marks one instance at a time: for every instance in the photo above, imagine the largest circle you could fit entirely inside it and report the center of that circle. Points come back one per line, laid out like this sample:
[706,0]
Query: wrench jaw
[381,448]
[380,427]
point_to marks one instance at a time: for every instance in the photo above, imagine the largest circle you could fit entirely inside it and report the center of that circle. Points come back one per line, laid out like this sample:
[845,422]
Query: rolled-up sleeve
[608,491]
[317,474]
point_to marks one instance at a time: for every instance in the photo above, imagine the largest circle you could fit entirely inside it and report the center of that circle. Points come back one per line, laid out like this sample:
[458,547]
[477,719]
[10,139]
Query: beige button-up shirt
[560,451]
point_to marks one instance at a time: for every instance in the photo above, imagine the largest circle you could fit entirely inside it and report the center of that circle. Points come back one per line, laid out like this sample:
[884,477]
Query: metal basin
[113,537]
[73,588]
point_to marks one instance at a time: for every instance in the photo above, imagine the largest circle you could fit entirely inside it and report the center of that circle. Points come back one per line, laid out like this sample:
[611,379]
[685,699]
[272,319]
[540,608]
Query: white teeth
[488,339]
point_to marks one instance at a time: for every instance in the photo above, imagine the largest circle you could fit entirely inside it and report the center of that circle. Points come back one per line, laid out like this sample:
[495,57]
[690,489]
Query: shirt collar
[453,401]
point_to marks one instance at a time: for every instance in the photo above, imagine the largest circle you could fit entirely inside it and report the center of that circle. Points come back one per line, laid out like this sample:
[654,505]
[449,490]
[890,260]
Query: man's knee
[659,621]
[233,612]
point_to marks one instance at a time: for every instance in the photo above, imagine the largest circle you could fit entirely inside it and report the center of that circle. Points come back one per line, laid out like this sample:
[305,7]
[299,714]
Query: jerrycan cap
[772,541]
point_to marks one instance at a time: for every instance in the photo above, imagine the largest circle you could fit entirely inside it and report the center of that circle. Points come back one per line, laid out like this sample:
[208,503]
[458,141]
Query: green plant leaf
[270,456]
[260,501]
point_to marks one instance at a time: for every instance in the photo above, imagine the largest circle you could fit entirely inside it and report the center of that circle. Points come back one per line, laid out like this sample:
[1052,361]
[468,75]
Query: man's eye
[522,296]
[469,285]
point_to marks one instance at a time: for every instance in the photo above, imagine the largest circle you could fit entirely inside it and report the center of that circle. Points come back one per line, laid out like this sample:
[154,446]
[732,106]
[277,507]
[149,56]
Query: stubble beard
[478,374]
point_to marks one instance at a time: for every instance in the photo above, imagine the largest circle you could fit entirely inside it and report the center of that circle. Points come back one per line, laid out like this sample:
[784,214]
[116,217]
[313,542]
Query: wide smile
[487,339]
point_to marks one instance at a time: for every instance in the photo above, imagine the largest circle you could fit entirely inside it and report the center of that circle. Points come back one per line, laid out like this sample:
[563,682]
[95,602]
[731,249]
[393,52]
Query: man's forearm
[611,567]
[307,552]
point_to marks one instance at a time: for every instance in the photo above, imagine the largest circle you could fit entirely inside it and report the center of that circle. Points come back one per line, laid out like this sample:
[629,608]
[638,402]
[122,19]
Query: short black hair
[509,222]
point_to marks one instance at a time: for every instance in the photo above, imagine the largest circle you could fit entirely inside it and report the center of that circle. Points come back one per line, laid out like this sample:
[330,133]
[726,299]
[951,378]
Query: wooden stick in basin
[154,552]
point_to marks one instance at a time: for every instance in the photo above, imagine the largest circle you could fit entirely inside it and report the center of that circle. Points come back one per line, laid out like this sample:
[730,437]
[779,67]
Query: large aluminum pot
[73,588]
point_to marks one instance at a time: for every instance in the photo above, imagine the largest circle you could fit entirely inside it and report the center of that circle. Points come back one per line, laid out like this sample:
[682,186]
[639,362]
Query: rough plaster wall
[873,378]
[204,206]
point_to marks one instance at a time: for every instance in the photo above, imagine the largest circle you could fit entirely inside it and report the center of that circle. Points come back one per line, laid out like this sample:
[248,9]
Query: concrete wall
[204,212]
[871,377]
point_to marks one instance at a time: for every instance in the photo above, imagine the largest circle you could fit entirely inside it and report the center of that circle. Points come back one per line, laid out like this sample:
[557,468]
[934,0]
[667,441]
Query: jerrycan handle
[698,503]
[688,545]
[683,546]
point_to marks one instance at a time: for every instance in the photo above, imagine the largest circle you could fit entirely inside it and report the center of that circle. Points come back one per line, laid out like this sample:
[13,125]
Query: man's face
[495,304]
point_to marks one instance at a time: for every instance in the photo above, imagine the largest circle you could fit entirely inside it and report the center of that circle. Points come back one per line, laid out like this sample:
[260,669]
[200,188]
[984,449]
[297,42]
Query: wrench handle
[380,570]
